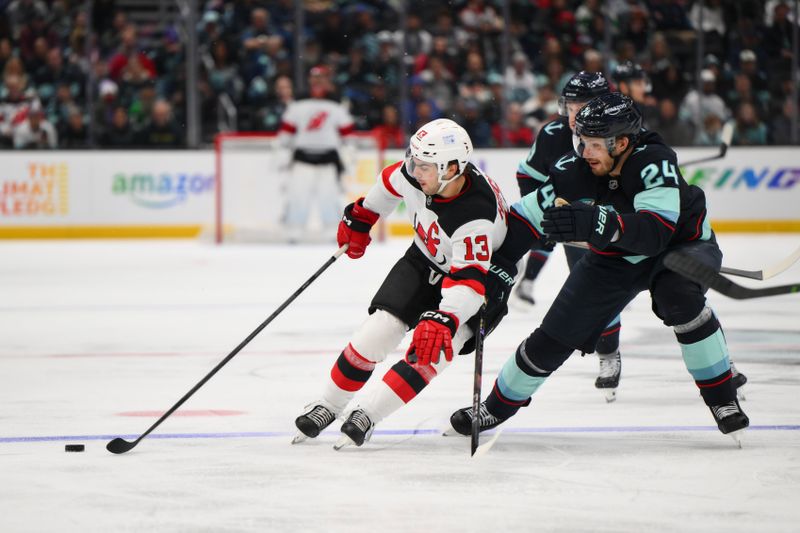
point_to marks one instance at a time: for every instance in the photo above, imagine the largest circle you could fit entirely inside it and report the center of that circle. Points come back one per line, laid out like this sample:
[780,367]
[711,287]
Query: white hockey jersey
[316,124]
[457,235]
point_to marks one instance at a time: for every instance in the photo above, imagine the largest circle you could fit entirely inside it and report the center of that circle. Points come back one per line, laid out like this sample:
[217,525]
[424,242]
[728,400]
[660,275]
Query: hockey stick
[761,275]
[120,445]
[727,137]
[765,273]
[476,385]
[693,269]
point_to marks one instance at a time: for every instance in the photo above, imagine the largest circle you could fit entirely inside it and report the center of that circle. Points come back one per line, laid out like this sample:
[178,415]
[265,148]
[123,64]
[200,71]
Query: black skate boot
[738,379]
[608,378]
[730,419]
[461,420]
[313,421]
[357,429]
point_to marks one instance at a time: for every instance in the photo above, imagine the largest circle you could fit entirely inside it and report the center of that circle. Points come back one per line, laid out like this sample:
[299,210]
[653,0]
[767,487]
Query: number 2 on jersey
[483,252]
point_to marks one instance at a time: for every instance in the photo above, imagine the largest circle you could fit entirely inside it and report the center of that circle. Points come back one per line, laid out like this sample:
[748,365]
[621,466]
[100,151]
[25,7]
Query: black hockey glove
[581,222]
[500,279]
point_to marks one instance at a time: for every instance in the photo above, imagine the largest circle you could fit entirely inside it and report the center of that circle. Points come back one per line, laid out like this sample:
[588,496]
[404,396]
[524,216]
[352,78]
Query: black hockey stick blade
[693,269]
[766,273]
[120,445]
[476,386]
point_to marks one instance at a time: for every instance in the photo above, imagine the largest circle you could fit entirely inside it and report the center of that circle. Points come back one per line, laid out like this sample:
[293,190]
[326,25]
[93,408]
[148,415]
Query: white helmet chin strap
[444,183]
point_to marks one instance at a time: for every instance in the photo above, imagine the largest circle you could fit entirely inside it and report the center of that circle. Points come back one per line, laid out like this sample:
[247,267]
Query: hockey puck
[73,448]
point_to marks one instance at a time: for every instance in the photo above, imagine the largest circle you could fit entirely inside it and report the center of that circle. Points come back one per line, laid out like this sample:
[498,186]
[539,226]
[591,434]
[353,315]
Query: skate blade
[737,437]
[519,304]
[740,394]
[343,442]
[299,437]
[610,395]
[450,432]
[484,448]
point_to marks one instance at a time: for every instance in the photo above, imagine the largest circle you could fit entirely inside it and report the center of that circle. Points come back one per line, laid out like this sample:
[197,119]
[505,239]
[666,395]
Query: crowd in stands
[448,54]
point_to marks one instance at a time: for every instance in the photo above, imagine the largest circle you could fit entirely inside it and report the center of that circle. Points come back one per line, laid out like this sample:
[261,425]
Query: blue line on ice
[270,434]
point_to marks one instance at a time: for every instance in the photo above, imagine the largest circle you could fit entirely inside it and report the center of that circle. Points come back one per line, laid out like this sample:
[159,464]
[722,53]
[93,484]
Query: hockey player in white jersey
[437,288]
[314,128]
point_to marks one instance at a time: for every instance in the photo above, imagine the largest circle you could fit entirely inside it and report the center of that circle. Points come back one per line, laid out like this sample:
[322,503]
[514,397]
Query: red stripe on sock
[344,382]
[720,382]
[610,331]
[399,386]
[357,360]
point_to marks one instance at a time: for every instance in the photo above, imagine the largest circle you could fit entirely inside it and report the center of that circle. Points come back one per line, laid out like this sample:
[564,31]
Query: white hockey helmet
[440,142]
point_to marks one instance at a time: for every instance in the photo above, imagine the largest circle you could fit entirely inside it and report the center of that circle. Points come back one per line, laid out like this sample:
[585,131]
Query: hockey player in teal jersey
[629,202]
[555,138]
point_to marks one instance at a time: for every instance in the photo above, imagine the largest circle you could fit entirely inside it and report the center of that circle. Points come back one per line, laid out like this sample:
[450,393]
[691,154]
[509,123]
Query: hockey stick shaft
[726,137]
[705,275]
[120,445]
[478,378]
[760,275]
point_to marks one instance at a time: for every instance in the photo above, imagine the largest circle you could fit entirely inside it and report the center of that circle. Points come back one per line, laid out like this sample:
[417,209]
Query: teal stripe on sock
[515,384]
[707,358]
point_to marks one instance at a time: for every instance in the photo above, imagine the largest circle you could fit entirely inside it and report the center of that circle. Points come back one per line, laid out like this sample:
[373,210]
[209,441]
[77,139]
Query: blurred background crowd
[78,74]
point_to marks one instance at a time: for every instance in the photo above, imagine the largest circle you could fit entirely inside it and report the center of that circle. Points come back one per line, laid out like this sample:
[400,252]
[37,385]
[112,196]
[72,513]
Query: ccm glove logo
[443,319]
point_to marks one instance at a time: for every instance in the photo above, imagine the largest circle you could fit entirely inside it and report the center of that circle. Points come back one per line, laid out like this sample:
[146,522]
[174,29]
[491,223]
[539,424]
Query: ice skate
[731,420]
[310,424]
[357,430]
[522,295]
[461,421]
[608,378]
[738,379]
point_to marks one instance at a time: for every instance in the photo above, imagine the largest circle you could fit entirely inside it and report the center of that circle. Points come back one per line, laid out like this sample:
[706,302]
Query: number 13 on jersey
[479,250]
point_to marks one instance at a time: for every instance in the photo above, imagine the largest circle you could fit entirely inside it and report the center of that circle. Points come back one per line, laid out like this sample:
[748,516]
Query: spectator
[748,128]
[781,127]
[710,134]
[35,132]
[513,133]
[676,132]
[119,133]
[439,83]
[697,105]
[476,125]
[73,134]
[161,131]
[520,83]
[389,132]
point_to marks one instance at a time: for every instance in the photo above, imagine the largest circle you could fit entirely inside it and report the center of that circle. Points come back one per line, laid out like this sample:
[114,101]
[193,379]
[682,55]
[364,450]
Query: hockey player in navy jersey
[629,202]
[437,288]
[554,139]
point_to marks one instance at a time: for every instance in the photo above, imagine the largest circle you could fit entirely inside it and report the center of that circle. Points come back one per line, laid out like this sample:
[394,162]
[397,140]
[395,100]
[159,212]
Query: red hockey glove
[354,228]
[433,334]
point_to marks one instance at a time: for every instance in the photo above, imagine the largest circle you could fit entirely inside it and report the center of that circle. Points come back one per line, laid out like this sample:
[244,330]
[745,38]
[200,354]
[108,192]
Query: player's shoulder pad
[475,202]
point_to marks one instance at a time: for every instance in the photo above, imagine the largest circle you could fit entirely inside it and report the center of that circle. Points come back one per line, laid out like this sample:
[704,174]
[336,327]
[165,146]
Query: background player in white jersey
[437,288]
[315,127]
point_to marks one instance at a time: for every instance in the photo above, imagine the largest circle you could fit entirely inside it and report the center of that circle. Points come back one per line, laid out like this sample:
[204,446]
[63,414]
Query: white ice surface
[91,330]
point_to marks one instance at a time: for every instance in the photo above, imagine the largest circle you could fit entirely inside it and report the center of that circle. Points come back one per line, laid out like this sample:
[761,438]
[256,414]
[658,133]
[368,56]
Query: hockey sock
[609,339]
[536,260]
[706,357]
[518,380]
[349,374]
[401,384]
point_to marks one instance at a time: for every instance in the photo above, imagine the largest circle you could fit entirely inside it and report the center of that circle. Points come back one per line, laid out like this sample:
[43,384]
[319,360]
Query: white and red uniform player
[313,129]
[436,288]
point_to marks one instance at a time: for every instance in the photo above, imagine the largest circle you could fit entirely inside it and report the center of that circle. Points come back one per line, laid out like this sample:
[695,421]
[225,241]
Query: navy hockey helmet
[609,116]
[581,88]
[628,70]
